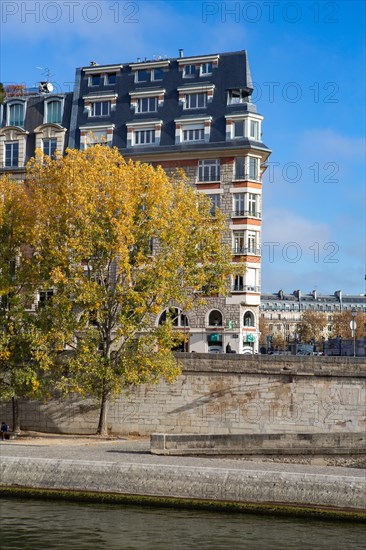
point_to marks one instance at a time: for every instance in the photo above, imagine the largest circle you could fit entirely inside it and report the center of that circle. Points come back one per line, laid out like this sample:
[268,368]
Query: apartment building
[283,311]
[193,113]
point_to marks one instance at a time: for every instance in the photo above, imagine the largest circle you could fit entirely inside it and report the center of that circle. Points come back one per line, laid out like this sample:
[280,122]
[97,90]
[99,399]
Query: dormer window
[95,80]
[101,108]
[111,79]
[147,104]
[235,97]
[240,126]
[100,105]
[196,101]
[16,114]
[53,111]
[189,71]
[157,74]
[142,75]
[254,129]
[206,69]
[143,133]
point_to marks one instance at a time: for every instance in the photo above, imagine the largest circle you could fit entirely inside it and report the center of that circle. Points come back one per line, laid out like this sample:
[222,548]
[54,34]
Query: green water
[37,525]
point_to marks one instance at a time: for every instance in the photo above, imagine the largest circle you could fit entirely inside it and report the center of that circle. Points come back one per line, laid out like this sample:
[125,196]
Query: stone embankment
[124,470]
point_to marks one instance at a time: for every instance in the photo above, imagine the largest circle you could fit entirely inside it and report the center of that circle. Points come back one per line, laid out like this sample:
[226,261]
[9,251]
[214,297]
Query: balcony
[245,288]
[246,214]
[237,251]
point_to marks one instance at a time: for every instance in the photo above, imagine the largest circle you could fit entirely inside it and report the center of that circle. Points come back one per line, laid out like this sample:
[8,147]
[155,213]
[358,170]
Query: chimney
[181,52]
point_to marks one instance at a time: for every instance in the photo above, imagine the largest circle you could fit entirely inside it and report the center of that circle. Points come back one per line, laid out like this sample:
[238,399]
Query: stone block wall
[224,394]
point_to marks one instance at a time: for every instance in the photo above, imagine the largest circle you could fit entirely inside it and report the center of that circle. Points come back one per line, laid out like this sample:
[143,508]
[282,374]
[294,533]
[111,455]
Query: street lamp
[353,326]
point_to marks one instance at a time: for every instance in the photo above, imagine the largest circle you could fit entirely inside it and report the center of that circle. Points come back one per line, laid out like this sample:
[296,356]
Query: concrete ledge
[311,488]
[258,444]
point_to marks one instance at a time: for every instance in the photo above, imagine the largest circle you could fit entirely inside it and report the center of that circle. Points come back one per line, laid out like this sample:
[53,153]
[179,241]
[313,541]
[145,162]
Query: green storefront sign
[250,338]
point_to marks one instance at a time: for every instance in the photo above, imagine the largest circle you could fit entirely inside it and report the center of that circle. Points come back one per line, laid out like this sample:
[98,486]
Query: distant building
[284,311]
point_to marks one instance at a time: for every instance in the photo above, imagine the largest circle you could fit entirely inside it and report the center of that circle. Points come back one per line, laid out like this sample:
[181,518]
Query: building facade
[193,113]
[283,311]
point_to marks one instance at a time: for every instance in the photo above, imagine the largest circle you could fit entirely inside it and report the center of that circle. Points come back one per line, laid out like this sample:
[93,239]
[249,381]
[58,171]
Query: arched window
[176,316]
[215,318]
[248,319]
[54,114]
[16,114]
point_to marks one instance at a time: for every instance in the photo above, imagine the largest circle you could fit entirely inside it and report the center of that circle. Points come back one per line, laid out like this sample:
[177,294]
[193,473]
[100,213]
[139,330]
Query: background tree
[311,327]
[2,93]
[19,368]
[264,331]
[341,324]
[118,242]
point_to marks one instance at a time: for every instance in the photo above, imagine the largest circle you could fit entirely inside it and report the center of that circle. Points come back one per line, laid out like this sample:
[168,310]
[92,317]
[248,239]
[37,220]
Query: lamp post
[353,326]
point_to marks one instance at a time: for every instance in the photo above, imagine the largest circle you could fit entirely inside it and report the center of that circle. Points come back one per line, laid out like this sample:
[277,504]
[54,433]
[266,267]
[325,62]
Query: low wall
[223,394]
[258,444]
[330,489]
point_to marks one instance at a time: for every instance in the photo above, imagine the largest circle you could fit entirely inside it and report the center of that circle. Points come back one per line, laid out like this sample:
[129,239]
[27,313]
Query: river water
[37,525]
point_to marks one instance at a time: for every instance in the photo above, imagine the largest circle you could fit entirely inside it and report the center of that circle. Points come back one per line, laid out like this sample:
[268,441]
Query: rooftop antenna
[45,87]
[46,72]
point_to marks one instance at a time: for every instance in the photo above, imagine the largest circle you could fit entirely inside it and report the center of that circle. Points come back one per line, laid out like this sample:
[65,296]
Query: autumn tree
[311,327]
[341,324]
[118,242]
[19,368]
[264,331]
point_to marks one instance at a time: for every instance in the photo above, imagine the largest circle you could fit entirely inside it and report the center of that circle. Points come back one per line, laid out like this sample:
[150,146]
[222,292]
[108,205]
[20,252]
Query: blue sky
[307,60]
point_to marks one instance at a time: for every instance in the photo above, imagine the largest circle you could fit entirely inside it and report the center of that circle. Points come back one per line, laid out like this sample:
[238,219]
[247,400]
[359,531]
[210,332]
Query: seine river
[38,525]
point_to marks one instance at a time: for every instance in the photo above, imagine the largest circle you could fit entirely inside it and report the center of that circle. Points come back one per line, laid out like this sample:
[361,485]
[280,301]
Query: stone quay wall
[223,394]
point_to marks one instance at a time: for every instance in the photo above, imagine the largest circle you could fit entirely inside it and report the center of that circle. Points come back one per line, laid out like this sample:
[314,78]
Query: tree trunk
[16,419]
[103,415]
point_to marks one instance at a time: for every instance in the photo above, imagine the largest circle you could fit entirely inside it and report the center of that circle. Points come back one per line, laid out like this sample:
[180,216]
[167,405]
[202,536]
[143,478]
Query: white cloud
[331,144]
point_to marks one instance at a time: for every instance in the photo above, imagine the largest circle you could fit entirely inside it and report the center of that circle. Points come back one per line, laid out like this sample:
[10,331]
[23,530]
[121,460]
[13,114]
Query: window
[252,241]
[196,101]
[142,75]
[248,319]
[238,204]
[196,134]
[238,283]
[206,69]
[176,316]
[49,146]
[189,71]
[16,114]
[147,104]
[11,154]
[235,97]
[101,108]
[144,137]
[95,80]
[247,168]
[254,129]
[215,318]
[252,204]
[215,199]
[53,112]
[239,242]
[44,297]
[158,74]
[111,78]
[253,168]
[239,129]
[209,170]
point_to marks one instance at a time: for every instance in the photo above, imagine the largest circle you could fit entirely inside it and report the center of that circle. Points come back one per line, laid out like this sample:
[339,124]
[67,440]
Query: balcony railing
[239,176]
[238,213]
[248,250]
[215,178]
[245,288]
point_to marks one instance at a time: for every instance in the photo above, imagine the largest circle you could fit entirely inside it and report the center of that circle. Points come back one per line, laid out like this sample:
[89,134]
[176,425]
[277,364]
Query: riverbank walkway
[124,466]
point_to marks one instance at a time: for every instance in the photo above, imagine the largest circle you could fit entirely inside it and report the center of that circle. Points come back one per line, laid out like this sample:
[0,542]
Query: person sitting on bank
[4,430]
[228,348]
